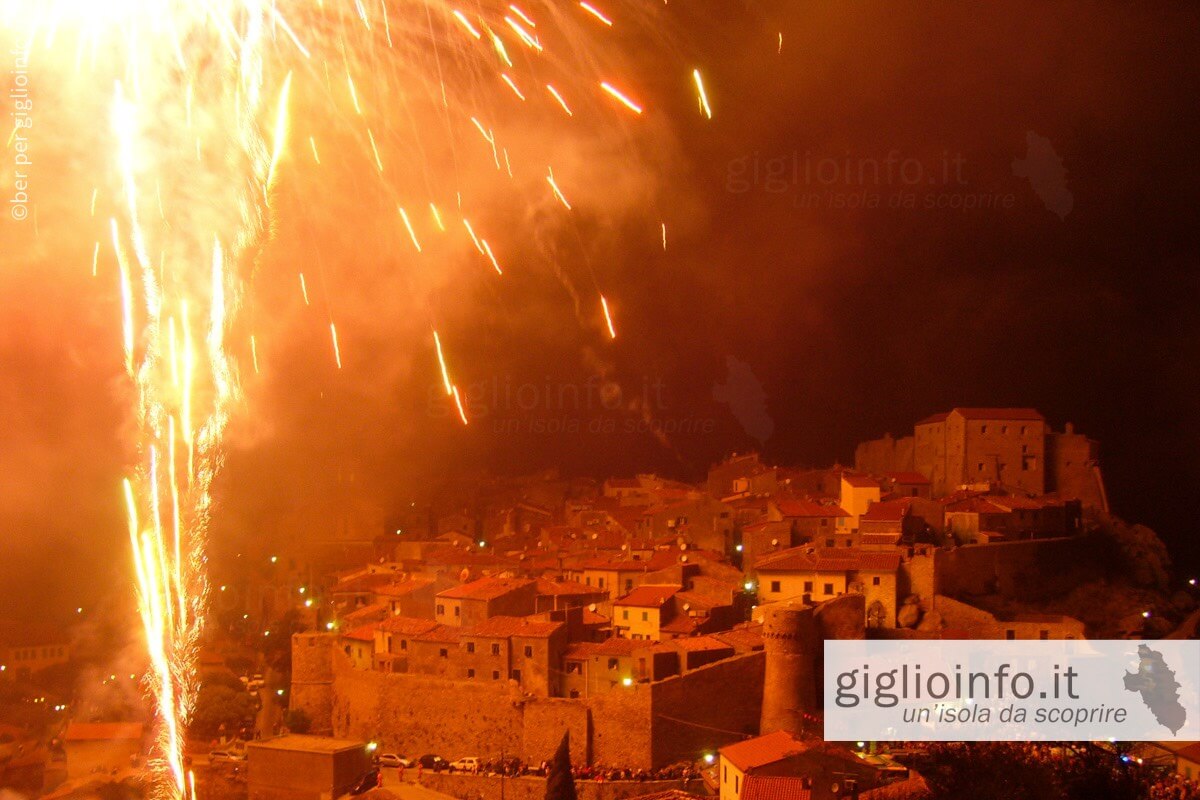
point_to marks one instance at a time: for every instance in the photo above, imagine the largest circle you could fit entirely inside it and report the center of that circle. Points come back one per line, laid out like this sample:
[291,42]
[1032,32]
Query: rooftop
[503,627]
[762,750]
[828,559]
[775,787]
[648,596]
[485,588]
[307,744]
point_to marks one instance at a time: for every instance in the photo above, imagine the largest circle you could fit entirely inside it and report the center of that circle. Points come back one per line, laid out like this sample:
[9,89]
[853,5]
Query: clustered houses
[570,589]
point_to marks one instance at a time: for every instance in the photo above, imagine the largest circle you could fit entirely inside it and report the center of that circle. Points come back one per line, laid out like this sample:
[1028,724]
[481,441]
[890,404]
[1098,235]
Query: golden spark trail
[612,332]
[701,94]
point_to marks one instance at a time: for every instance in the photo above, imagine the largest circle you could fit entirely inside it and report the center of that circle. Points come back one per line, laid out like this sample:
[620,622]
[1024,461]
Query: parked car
[394,760]
[366,783]
[227,756]
[465,764]
[430,761]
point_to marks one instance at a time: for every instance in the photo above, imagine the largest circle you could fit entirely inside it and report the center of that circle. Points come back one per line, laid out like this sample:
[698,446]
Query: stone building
[472,603]
[815,574]
[305,767]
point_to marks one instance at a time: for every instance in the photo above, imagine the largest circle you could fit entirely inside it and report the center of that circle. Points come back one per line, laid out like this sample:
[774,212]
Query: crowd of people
[1174,787]
[515,768]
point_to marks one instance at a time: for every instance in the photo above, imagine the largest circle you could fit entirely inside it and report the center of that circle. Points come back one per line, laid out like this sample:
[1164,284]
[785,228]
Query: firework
[208,102]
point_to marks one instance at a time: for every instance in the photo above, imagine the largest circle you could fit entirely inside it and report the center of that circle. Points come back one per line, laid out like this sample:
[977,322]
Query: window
[808,586]
[829,588]
[625,613]
[983,428]
[1043,634]
[824,522]
[574,668]
[470,673]
[441,609]
[404,644]
[443,653]
[516,675]
[775,586]
[495,674]
[457,611]
[1022,430]
[601,583]
[613,663]
[528,651]
[1010,634]
[470,647]
[629,583]
[645,616]
[979,467]
[829,542]
[1004,429]
[875,581]
[495,649]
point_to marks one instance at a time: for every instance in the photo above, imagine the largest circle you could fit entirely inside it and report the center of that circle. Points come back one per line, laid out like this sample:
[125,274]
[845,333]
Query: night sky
[816,235]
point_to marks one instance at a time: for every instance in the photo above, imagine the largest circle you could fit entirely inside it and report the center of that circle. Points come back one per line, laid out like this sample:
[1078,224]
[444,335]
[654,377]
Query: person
[400,772]
[420,771]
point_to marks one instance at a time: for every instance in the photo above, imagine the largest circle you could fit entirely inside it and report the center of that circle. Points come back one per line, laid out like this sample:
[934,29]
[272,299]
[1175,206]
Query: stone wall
[885,455]
[312,678]
[706,708]
[1027,570]
[488,787]
[418,714]
[644,725]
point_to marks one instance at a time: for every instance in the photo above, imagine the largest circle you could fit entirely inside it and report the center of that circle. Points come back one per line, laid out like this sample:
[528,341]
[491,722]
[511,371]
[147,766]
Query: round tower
[793,649]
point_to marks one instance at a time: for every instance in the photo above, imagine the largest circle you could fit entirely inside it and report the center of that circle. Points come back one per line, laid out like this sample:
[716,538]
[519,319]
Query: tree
[297,721]
[987,771]
[218,705]
[559,783]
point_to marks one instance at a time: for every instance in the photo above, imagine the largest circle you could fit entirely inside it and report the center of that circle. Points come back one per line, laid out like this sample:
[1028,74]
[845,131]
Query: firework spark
[204,99]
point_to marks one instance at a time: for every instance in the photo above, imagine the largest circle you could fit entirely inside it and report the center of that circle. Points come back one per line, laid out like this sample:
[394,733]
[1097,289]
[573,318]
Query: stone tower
[312,678]
[794,636]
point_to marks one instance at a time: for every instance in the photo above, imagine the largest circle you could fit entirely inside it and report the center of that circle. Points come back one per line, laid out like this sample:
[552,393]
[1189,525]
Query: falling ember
[254,353]
[462,413]
[337,351]
[557,192]
[664,236]
[411,233]
[437,343]
[588,7]
[612,332]
[304,289]
[701,94]
[560,99]
[621,97]
[487,248]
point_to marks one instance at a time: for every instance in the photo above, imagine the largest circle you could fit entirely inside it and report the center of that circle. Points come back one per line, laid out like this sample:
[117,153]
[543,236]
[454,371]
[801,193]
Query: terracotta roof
[616,646]
[698,643]
[485,588]
[681,624]
[828,559]
[860,481]
[363,633]
[975,505]
[360,616]
[362,583]
[907,477]
[877,539]
[809,508]
[403,588]
[762,750]
[407,626]
[648,596]
[775,787]
[103,731]
[668,794]
[447,634]
[504,627]
[887,510]
[742,638]
[545,586]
